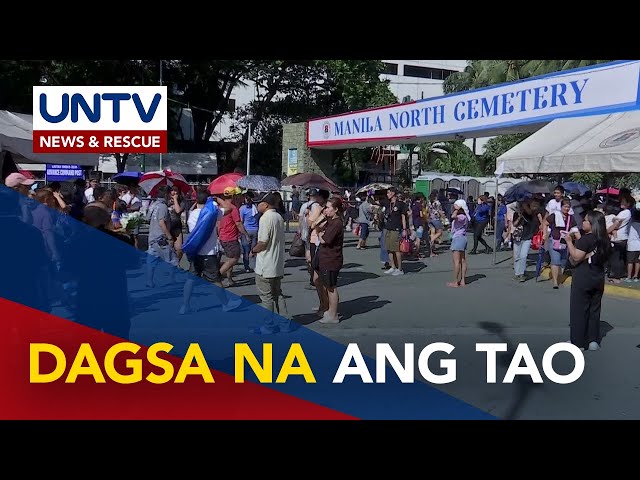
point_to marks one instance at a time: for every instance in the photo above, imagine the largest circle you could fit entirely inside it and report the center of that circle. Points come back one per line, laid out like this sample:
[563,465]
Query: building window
[390,68]
[426,72]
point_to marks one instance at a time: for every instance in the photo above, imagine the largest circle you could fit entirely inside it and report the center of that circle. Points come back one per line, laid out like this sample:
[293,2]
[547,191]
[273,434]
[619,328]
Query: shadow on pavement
[295,262]
[523,384]
[351,265]
[305,318]
[605,328]
[474,278]
[361,305]
[347,278]
[413,267]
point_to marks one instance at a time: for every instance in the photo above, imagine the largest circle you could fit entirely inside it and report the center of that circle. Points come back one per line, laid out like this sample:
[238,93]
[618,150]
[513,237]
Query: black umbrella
[526,190]
[127,178]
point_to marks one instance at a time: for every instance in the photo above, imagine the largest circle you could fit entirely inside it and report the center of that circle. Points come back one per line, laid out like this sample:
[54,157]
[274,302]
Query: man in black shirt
[395,223]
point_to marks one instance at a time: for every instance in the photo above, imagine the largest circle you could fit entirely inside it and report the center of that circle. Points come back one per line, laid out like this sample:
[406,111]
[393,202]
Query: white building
[419,79]
[416,79]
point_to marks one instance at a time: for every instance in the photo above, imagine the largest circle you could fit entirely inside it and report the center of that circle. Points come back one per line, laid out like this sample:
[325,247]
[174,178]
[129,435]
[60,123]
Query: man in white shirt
[555,204]
[131,199]
[88,193]
[206,263]
[270,255]
[620,229]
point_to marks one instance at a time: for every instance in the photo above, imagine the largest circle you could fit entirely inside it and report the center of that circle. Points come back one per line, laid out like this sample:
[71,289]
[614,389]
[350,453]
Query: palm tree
[430,152]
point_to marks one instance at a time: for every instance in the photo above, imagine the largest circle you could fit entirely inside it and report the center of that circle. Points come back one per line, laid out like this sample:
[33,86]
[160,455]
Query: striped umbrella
[150,181]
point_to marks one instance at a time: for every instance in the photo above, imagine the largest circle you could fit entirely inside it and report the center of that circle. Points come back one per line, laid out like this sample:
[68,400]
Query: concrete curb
[609,289]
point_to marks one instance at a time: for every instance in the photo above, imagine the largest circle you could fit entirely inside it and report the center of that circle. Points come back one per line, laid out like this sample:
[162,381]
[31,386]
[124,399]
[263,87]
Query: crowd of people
[593,239]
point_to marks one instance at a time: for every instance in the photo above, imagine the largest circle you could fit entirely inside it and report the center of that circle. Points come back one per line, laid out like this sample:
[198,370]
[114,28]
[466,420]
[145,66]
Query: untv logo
[99,119]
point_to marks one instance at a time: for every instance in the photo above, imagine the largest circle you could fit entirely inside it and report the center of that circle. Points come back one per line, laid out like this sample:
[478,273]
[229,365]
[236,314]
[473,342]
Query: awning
[183,163]
[598,143]
[16,136]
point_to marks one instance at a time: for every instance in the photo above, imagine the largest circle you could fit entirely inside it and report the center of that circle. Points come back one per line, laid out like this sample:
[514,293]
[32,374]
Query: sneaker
[386,266]
[397,273]
[593,346]
[326,319]
[636,280]
[522,279]
[628,280]
[232,304]
[391,270]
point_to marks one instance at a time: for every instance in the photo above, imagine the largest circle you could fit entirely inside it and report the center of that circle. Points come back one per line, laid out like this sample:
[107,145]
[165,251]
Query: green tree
[295,91]
[459,160]
[592,180]
[631,181]
[431,152]
[496,146]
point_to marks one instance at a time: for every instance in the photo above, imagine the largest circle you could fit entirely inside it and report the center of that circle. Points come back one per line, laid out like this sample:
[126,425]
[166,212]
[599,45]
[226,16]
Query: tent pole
[495,225]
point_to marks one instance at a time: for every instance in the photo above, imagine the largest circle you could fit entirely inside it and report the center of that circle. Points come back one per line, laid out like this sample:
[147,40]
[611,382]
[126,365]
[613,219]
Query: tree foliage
[482,73]
[497,146]
[285,91]
[449,157]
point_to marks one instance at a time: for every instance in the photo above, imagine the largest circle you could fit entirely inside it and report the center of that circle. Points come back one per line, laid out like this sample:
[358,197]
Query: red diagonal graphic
[86,399]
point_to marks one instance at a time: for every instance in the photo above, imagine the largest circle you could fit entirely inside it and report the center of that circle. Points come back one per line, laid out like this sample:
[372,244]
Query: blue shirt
[250,221]
[502,212]
[482,212]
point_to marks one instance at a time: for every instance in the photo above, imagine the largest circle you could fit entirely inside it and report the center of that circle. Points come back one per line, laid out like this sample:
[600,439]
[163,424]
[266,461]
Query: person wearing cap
[270,255]
[395,224]
[22,184]
[229,231]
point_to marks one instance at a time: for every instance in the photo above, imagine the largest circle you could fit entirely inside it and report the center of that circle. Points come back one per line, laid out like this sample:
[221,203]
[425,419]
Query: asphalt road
[419,308]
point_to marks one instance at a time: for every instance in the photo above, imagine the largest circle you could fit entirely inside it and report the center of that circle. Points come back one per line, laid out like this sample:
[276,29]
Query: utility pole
[249,148]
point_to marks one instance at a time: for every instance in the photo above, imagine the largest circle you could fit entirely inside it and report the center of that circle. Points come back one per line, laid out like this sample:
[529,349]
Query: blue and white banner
[61,173]
[604,88]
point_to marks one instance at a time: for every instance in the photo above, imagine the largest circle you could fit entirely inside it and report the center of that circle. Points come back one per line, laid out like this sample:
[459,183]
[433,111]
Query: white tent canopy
[597,143]
[16,136]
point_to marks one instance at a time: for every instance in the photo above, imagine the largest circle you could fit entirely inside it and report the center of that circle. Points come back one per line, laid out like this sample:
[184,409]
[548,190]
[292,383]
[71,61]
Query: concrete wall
[294,136]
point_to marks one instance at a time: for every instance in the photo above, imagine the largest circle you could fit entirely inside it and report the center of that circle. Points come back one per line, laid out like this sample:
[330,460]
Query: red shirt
[228,231]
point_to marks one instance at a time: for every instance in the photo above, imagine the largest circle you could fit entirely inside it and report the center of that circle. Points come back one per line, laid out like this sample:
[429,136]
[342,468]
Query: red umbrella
[310,180]
[150,181]
[27,174]
[609,191]
[224,181]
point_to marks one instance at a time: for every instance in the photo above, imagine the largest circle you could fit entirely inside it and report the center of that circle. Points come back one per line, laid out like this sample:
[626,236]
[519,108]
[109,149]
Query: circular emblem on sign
[326,129]
[621,138]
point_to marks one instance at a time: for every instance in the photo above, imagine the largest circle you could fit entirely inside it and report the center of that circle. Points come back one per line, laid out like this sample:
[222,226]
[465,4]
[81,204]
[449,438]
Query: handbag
[356,230]
[297,248]
[405,245]
[315,260]
[557,244]
[517,233]
[537,240]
